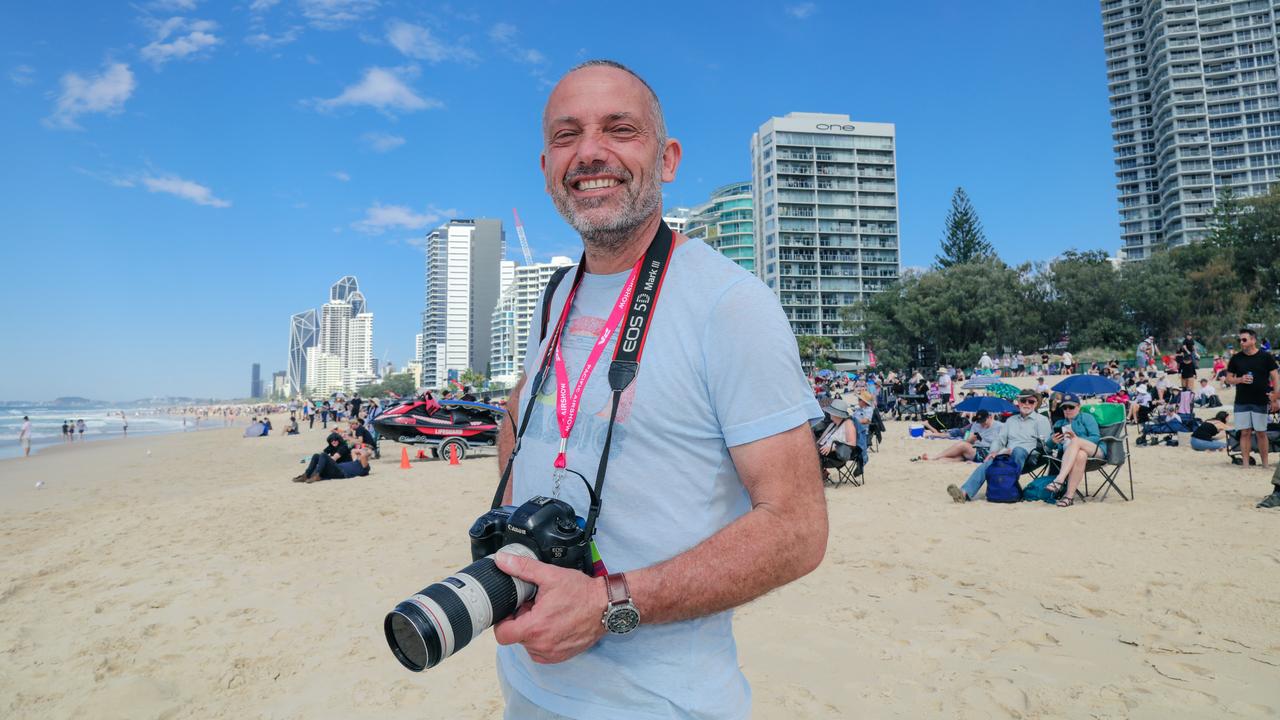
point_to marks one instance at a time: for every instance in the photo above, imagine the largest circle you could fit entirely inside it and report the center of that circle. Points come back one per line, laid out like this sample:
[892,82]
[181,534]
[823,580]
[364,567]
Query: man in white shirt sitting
[1207,396]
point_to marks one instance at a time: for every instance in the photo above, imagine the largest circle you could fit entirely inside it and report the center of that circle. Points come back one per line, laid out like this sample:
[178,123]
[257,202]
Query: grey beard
[611,235]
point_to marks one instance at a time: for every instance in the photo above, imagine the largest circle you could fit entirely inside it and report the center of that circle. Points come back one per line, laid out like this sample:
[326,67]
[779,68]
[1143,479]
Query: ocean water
[100,424]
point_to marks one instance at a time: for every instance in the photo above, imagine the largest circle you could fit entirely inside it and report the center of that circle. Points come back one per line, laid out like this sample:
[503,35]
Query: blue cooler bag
[1002,480]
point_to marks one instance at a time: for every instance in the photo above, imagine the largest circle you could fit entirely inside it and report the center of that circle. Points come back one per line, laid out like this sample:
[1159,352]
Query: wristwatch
[621,615]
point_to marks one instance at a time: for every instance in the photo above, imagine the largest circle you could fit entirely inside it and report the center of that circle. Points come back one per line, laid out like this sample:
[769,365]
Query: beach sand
[196,581]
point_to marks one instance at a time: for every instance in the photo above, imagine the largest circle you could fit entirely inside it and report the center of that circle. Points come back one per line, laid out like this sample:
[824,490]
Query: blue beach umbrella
[979,382]
[988,403]
[1088,385]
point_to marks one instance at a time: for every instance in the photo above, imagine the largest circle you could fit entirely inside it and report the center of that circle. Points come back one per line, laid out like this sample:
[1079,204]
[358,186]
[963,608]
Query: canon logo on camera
[834,126]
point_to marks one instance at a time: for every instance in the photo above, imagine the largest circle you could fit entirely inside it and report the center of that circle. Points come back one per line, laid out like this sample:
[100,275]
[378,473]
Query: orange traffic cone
[422,455]
[404,458]
[453,454]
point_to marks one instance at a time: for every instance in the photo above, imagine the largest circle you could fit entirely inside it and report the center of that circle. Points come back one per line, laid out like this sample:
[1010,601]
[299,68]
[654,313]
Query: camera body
[547,526]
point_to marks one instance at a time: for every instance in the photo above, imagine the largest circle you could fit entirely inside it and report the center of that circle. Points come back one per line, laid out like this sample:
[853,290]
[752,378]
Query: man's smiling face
[605,157]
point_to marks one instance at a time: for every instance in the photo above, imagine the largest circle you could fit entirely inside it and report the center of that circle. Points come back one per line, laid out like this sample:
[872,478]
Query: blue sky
[180,176]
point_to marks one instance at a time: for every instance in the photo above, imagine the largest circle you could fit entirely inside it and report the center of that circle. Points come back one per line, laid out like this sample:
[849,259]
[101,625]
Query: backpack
[1035,490]
[1002,480]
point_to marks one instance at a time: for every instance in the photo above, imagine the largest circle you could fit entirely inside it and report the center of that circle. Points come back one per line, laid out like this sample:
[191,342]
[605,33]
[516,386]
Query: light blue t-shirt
[720,369]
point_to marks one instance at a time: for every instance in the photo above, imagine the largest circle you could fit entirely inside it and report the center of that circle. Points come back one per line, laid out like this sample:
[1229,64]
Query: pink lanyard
[567,403]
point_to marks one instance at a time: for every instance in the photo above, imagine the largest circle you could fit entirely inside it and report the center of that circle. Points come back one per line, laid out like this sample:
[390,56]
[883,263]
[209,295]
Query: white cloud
[380,218]
[190,39]
[185,189]
[109,178]
[264,40]
[382,142]
[333,14]
[174,4]
[262,5]
[339,175]
[416,41]
[382,88]
[802,10]
[504,35]
[22,75]
[102,93]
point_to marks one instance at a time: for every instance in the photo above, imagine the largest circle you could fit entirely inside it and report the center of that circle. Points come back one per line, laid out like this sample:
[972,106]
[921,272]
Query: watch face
[622,620]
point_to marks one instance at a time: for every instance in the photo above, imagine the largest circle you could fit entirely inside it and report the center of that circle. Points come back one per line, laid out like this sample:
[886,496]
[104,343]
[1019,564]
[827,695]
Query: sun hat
[1030,394]
[838,408]
[867,397]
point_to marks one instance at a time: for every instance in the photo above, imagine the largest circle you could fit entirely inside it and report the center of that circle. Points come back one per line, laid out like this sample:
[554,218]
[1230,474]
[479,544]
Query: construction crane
[524,244]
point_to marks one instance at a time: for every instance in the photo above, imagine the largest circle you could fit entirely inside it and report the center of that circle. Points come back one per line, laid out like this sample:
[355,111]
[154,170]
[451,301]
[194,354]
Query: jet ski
[432,422]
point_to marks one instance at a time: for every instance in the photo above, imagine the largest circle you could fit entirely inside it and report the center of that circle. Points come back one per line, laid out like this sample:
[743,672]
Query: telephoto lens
[441,619]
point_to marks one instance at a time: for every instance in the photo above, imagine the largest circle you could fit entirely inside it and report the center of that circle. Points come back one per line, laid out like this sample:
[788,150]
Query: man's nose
[592,148]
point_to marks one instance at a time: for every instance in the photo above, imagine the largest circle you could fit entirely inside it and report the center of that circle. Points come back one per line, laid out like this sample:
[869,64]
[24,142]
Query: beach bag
[1002,480]
[1035,490]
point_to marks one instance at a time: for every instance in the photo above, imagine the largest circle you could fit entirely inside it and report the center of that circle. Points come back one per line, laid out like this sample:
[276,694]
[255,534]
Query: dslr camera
[443,617]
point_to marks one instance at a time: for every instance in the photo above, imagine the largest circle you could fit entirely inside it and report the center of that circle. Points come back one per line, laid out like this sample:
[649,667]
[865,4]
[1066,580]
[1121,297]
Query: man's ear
[671,155]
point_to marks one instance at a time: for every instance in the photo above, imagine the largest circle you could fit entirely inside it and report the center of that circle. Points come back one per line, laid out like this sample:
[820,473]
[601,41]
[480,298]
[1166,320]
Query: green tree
[964,241]
[472,379]
[1085,301]
[398,383]
[1250,228]
[955,313]
[814,349]
[1157,296]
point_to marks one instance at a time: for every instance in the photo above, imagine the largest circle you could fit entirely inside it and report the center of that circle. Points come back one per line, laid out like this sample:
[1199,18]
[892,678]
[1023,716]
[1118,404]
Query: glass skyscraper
[725,223]
[1194,110]
[826,219]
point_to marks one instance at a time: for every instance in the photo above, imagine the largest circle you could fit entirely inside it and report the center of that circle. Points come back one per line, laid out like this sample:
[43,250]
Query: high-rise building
[417,348]
[725,223]
[1195,109]
[360,364]
[513,315]
[302,335]
[280,384]
[462,285]
[676,218]
[339,343]
[826,218]
[255,385]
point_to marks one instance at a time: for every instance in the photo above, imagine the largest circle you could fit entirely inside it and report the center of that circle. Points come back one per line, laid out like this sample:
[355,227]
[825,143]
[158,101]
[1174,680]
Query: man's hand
[564,618]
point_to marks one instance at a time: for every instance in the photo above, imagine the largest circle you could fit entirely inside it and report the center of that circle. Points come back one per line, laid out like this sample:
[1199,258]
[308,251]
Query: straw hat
[867,397]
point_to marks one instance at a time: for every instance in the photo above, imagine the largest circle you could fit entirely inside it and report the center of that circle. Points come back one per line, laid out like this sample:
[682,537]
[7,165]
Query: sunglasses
[1026,401]
[1246,338]
[1070,407]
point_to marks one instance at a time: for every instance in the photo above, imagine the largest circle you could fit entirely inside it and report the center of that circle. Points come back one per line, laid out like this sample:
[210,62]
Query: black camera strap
[624,367]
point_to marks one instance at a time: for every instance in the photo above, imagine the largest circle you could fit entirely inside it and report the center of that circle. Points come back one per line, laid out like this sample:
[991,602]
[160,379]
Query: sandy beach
[184,576]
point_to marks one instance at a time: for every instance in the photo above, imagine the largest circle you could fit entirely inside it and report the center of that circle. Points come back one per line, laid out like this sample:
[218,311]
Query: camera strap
[645,284]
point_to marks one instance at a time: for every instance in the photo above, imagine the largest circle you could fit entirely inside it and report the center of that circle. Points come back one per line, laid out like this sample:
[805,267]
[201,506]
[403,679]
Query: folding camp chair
[875,431]
[851,471]
[1114,444]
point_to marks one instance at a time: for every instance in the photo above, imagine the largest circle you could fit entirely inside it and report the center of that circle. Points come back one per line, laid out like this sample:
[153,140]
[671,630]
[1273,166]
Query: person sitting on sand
[1019,436]
[973,448]
[292,428]
[1077,436]
[337,448]
[1207,395]
[1210,435]
[839,441]
[322,467]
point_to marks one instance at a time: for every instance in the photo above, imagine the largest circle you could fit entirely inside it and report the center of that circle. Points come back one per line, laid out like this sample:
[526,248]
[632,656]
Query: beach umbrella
[988,403]
[1088,385]
[980,382]
[824,373]
[1003,390]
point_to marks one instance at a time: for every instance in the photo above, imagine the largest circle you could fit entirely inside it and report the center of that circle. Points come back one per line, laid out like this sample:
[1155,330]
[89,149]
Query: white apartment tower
[1194,110]
[825,219]
[339,354]
[462,285]
[513,318]
[360,364]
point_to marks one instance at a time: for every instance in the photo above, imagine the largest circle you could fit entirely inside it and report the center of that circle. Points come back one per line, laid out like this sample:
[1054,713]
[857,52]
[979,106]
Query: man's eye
[623,130]
[564,136]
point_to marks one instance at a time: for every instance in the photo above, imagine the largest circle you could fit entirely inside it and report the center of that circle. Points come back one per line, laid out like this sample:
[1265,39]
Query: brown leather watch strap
[616,585]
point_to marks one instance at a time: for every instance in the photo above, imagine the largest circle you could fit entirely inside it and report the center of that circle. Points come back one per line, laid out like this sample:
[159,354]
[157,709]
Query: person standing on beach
[1257,380]
[704,482]
[24,436]
[80,428]
[125,420]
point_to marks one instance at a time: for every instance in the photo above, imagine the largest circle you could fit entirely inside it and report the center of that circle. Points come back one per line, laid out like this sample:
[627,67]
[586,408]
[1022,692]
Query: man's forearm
[783,537]
[745,560]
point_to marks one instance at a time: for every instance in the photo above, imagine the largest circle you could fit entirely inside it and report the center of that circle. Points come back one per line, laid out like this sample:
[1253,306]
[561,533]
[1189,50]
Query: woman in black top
[1210,436]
